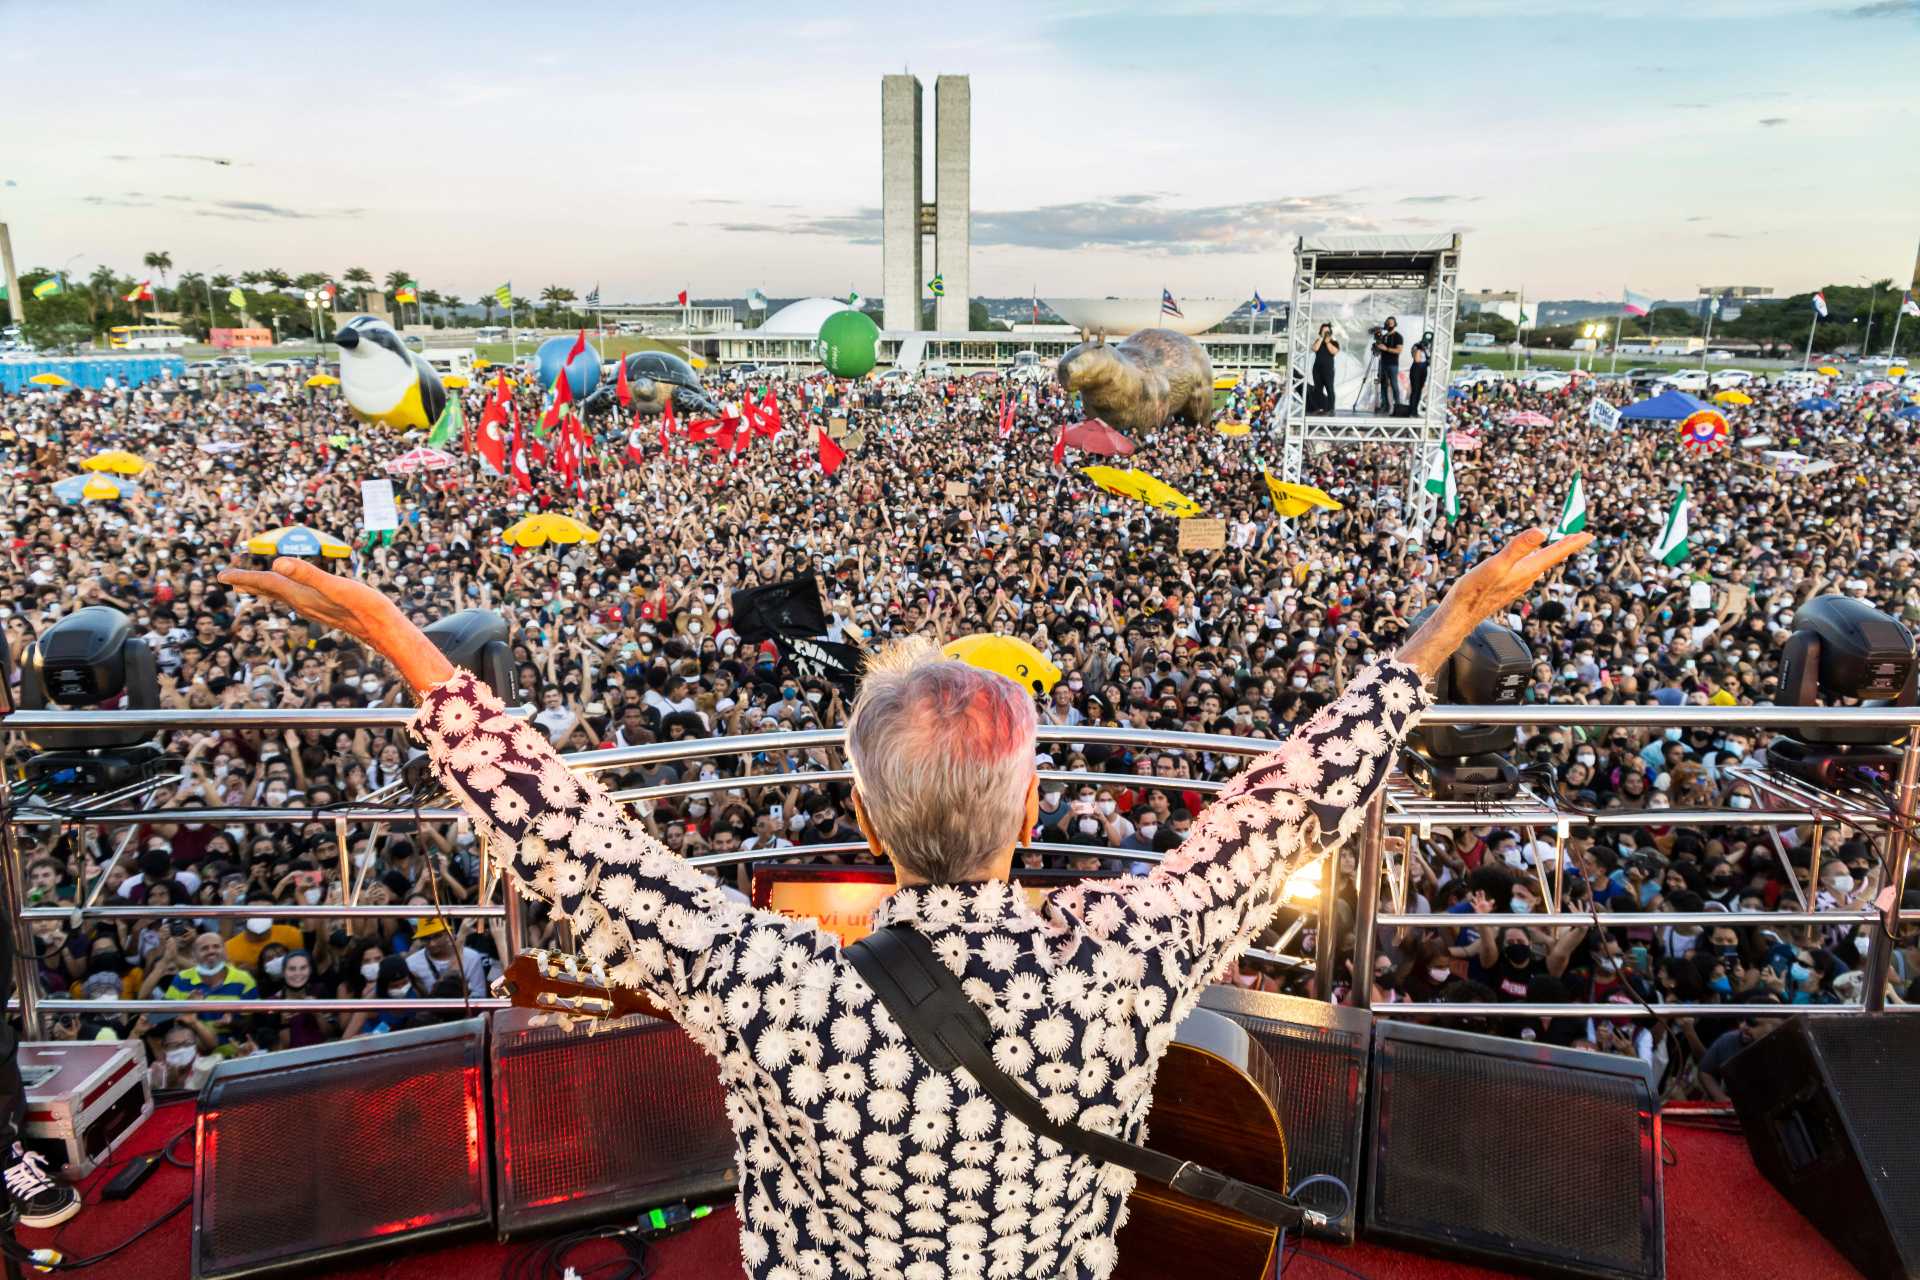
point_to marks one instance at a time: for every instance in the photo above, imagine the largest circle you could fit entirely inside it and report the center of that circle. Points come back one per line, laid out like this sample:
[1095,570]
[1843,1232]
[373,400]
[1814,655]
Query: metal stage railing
[1397,808]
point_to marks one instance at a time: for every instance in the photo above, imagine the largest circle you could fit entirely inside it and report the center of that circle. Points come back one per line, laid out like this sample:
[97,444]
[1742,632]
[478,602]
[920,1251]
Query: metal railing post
[1899,860]
[13,888]
[1326,942]
[1373,844]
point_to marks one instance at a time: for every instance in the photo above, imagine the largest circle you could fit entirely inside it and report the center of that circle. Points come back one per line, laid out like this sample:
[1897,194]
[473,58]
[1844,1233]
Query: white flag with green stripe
[1573,515]
[1671,549]
[1440,482]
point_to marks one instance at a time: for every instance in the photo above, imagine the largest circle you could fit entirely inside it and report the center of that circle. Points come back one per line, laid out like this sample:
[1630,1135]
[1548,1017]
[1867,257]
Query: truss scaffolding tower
[1429,265]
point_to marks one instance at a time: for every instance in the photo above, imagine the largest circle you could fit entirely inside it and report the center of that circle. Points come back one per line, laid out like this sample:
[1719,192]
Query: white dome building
[802,318]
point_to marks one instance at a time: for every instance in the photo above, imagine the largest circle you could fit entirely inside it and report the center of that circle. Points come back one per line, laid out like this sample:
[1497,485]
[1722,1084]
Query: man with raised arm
[856,1158]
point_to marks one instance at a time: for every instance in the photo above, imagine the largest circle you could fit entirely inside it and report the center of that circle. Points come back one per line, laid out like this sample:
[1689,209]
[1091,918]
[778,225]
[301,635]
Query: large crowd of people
[941,521]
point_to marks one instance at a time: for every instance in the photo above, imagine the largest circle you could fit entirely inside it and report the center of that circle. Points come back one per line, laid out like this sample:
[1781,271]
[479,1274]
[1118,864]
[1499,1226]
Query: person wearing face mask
[392,981]
[258,932]
[185,1059]
[211,976]
[433,957]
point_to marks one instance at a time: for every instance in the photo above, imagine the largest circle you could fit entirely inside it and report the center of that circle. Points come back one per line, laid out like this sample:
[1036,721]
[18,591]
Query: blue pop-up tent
[1817,404]
[1668,406]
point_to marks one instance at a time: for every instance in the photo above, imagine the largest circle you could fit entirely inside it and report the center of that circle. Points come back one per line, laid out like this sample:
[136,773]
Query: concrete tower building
[905,219]
[900,261]
[953,199]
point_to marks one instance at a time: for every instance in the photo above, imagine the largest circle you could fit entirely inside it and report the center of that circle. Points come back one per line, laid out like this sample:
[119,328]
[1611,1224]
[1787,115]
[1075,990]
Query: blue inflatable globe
[583,375]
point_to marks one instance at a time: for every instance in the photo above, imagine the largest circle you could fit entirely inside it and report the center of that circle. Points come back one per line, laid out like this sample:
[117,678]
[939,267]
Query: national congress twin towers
[906,220]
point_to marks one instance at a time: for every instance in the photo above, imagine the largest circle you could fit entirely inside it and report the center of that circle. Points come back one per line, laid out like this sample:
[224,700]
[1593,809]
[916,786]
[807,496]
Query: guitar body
[1207,1108]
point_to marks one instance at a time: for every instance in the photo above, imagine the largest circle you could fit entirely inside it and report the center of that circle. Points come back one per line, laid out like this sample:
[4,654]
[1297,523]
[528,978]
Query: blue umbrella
[1817,404]
[1910,413]
[256,386]
[1456,393]
[72,489]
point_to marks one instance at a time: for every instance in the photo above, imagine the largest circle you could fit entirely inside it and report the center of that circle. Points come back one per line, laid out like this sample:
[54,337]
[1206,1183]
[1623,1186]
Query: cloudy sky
[1118,147]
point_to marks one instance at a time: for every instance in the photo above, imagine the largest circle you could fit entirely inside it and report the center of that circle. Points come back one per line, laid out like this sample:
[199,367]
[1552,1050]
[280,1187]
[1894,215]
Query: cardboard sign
[1203,535]
[959,489]
[377,510]
[837,428]
[855,439]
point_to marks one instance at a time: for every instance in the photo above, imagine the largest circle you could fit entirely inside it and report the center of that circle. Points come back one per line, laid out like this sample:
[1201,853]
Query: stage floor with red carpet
[1723,1219]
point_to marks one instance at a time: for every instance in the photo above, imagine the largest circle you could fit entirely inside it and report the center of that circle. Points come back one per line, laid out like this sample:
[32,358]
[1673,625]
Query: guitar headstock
[570,988]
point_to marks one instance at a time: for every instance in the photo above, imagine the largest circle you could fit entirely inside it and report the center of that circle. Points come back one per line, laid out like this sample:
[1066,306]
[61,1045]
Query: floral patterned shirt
[855,1158]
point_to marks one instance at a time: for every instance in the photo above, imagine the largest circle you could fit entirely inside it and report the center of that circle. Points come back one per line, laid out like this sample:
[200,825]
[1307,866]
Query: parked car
[1546,380]
[1688,380]
[1644,379]
[1723,379]
[1477,378]
[936,369]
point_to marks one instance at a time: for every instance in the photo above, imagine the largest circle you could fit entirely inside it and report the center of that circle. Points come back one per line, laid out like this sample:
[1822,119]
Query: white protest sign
[377,509]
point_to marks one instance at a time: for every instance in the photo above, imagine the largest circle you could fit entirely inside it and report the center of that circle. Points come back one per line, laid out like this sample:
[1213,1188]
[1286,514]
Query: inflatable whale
[383,381]
[1142,382]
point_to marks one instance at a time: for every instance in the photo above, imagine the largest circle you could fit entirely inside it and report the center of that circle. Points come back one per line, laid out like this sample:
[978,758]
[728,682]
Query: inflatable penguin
[383,381]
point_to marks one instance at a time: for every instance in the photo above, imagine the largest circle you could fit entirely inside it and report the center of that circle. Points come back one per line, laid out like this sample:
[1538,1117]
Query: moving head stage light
[1463,761]
[1844,648]
[90,658]
[476,640]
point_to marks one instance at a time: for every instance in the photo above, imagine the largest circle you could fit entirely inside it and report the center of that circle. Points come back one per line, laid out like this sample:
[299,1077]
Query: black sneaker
[38,1200]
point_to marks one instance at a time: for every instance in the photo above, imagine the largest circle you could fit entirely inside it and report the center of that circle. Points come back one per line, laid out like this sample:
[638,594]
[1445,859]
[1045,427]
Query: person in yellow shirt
[244,947]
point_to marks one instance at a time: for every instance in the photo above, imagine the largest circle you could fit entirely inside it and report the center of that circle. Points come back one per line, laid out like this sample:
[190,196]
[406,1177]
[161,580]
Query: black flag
[824,660]
[779,609]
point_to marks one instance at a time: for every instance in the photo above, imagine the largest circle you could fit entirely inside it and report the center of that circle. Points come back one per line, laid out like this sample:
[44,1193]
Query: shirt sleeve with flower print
[856,1159]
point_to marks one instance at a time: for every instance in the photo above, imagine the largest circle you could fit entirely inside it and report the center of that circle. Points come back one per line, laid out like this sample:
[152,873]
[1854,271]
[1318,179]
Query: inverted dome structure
[803,318]
[1118,317]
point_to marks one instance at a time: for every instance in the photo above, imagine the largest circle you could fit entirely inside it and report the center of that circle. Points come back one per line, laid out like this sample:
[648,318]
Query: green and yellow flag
[236,298]
[408,292]
[504,294]
[47,288]
[449,425]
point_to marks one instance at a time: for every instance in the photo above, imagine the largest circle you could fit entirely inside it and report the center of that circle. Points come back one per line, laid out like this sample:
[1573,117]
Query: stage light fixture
[476,639]
[90,659]
[1843,649]
[1464,761]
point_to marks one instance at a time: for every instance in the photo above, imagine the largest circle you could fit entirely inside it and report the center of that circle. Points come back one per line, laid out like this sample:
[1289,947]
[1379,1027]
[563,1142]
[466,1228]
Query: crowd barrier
[1397,808]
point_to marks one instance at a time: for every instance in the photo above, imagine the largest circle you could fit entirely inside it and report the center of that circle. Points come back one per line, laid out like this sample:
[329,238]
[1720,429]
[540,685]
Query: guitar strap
[948,1030]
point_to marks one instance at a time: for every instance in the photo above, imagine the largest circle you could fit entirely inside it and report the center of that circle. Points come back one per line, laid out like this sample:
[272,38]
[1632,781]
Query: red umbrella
[1095,436]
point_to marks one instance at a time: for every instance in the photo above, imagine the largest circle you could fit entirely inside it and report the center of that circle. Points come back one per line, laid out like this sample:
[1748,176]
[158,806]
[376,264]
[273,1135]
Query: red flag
[831,454]
[1006,415]
[666,427]
[493,435]
[1060,447]
[562,398]
[700,429]
[766,421]
[522,475]
[579,346]
[635,454]
[625,392]
[682,299]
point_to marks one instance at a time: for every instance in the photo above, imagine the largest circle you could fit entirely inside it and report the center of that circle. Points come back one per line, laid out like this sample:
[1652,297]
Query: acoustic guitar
[1206,1107]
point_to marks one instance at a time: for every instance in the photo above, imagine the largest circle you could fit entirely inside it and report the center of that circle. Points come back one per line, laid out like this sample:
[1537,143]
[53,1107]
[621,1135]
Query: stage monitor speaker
[1318,1084]
[1535,1158]
[313,1154]
[1830,1113]
[587,1125]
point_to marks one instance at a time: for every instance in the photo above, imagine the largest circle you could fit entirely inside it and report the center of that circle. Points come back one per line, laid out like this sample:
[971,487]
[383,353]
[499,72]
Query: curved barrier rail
[1395,809]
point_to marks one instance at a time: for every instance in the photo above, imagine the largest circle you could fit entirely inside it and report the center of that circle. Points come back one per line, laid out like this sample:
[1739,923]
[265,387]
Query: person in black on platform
[1417,372]
[1325,348]
[1387,346]
[34,1199]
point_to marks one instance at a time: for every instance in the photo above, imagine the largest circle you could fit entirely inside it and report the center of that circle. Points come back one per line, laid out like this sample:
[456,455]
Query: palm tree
[359,277]
[552,295]
[251,278]
[486,304]
[102,289]
[161,261]
[190,295]
[277,278]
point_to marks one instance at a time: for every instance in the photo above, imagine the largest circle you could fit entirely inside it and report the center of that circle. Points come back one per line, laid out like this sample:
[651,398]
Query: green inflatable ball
[847,343]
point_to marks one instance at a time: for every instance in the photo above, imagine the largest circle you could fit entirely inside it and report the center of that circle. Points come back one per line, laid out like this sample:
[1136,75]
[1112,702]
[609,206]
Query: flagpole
[1898,315]
[1713,309]
[1807,359]
[1619,323]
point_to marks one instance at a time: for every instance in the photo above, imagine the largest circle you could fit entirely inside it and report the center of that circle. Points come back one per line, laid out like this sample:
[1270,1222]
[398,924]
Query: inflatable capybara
[1142,382]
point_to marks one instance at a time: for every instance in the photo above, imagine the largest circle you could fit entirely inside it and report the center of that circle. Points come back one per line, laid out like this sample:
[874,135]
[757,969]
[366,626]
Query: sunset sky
[1118,148]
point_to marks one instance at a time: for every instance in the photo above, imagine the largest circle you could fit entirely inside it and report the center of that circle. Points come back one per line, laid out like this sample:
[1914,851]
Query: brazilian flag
[449,425]
[49,288]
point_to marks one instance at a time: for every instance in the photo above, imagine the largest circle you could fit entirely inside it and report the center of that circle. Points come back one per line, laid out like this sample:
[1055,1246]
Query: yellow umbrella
[1827,370]
[1896,371]
[103,489]
[1226,382]
[548,526]
[1298,499]
[696,362]
[49,380]
[323,380]
[1005,656]
[118,461]
[1734,397]
[296,540]
[1233,428]
[1148,489]
[453,380]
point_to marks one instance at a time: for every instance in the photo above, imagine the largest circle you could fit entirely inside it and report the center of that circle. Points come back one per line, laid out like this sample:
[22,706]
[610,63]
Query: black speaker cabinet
[317,1153]
[1537,1159]
[587,1125]
[1829,1109]
[1317,1055]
